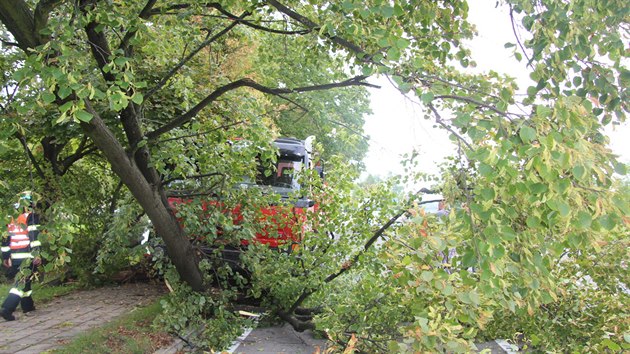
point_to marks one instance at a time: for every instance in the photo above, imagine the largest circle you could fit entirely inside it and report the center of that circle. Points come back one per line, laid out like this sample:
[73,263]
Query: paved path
[282,339]
[58,321]
[278,340]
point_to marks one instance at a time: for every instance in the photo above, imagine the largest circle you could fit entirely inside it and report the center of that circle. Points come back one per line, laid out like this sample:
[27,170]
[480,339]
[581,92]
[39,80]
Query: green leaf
[426,98]
[607,222]
[62,118]
[402,43]
[543,111]
[611,345]
[406,261]
[564,209]
[64,92]
[508,233]
[137,98]
[83,115]
[426,276]
[538,188]
[487,194]
[367,70]
[560,206]
[469,259]
[387,11]
[48,97]
[485,169]
[584,219]
[528,134]
[621,168]
[532,90]
[532,222]
[474,297]
[518,56]
[393,54]
[462,120]
[66,106]
[120,61]
[578,171]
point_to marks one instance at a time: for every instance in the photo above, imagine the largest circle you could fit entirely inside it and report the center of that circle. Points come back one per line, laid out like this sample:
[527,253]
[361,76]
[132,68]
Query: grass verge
[42,293]
[133,333]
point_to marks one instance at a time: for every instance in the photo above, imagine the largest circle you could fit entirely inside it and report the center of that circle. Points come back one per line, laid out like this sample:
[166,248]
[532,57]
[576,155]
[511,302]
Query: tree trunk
[166,226]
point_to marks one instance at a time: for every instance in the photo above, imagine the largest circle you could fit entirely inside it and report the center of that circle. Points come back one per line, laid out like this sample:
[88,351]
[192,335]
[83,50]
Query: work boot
[27,304]
[7,315]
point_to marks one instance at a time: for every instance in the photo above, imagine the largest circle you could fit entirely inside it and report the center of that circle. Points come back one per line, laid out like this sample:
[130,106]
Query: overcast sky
[397,126]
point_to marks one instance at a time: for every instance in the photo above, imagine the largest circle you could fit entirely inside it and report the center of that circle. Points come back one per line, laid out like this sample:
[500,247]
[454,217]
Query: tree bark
[18,18]
[178,246]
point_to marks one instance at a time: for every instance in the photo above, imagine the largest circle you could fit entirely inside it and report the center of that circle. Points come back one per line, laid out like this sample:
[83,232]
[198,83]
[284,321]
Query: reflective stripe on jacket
[22,237]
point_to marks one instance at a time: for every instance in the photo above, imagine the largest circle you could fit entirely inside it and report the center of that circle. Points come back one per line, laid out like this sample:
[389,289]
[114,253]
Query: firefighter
[19,254]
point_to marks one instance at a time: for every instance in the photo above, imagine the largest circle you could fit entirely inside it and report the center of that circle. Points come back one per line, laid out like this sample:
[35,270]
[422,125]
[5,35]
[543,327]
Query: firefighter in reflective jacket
[18,248]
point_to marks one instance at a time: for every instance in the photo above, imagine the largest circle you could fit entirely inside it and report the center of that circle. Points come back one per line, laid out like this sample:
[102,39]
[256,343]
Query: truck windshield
[283,180]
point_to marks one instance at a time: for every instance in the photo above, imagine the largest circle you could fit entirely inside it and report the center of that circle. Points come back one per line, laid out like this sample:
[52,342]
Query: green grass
[133,333]
[41,293]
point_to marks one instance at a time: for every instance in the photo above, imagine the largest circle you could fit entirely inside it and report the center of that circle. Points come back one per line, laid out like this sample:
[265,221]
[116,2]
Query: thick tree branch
[42,12]
[129,116]
[18,19]
[78,154]
[298,325]
[149,198]
[30,155]
[147,10]
[186,117]
[51,153]
[100,49]
[145,13]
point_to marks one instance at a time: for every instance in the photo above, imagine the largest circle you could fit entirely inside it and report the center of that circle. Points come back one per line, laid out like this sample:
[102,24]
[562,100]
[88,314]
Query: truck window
[282,180]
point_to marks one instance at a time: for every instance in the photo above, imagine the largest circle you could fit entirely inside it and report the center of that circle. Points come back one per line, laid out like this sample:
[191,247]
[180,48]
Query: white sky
[397,125]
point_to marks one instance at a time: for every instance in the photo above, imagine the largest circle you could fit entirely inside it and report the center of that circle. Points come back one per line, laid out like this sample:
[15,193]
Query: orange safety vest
[19,243]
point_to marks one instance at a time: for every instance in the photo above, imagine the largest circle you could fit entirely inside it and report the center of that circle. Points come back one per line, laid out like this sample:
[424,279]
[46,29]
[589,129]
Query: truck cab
[282,223]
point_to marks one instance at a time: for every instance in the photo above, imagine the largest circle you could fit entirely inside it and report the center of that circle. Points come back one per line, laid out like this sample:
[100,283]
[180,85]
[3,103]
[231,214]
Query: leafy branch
[231,16]
[246,82]
[346,266]
[225,126]
[192,54]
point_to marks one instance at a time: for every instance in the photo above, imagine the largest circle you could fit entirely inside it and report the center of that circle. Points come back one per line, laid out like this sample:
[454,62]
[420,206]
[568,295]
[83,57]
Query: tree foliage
[114,104]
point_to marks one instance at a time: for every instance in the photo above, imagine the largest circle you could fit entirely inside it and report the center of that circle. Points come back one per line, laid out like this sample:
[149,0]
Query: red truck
[284,222]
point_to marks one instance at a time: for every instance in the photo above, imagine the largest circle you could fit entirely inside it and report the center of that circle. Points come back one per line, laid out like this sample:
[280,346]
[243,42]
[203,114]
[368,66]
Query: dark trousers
[20,294]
